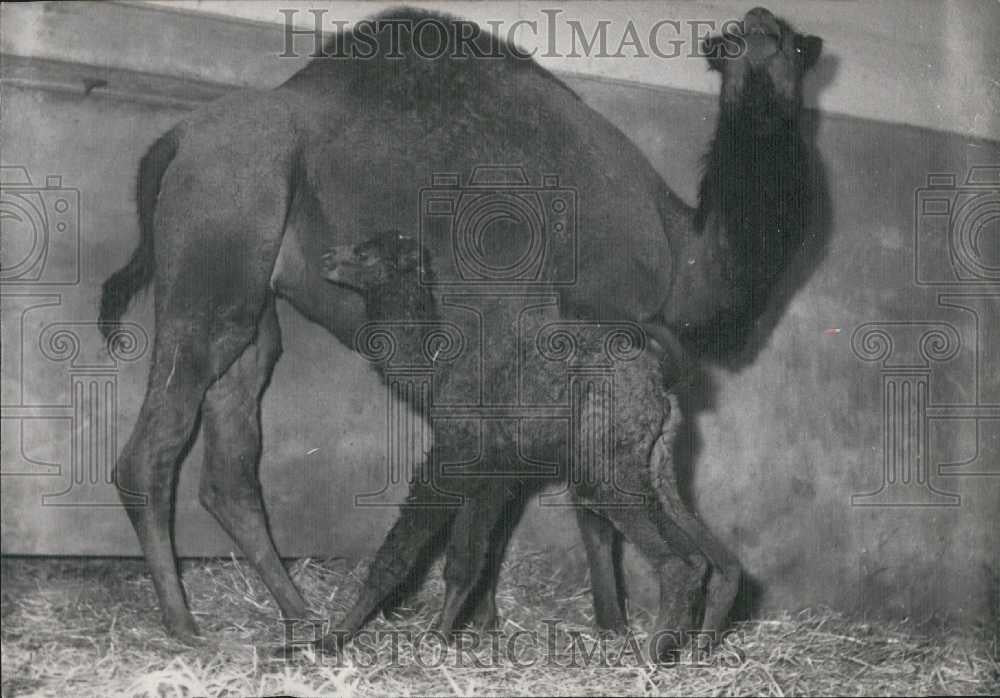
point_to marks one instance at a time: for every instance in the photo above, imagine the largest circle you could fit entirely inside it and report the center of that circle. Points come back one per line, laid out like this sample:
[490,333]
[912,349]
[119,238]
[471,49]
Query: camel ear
[811,47]
[717,49]
[712,50]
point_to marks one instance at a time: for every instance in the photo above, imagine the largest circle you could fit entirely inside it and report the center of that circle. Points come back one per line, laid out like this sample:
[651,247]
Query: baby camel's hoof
[484,623]
[613,629]
[665,649]
[189,640]
[407,610]
[484,627]
[186,633]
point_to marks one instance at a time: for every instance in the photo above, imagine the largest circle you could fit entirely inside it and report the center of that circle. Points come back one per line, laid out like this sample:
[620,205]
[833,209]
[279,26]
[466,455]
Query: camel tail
[122,286]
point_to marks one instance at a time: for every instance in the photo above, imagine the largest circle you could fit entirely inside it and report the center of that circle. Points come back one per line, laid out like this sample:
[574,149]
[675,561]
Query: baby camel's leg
[484,615]
[667,534]
[469,548]
[673,559]
[601,542]
[426,513]
[685,529]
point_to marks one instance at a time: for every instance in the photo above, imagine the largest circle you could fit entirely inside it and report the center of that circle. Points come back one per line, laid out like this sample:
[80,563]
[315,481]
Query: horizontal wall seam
[169,91]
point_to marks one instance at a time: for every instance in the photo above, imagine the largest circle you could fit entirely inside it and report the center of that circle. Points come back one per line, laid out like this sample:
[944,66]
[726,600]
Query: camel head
[762,62]
[386,258]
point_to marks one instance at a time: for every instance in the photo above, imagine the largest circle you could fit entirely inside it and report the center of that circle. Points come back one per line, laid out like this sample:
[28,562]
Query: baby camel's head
[387,259]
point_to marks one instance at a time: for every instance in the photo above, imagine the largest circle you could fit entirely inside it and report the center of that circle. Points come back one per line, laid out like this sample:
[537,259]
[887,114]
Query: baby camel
[615,457]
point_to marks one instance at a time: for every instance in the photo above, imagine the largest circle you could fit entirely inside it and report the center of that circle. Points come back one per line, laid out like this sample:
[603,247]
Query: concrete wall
[816,463]
[920,62]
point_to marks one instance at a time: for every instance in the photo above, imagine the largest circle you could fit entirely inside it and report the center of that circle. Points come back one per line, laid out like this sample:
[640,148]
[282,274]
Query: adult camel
[238,202]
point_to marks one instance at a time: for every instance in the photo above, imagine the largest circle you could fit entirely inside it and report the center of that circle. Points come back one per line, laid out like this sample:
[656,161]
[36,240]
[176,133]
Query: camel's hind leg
[217,238]
[181,372]
[148,467]
[229,485]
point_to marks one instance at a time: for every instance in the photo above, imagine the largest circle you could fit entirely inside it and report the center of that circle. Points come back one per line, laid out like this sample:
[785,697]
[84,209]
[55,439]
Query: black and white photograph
[500,348]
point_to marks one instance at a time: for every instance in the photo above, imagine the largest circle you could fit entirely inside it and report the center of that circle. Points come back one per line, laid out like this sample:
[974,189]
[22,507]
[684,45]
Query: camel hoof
[189,640]
[447,630]
[665,649]
[485,623]
[406,611]
[184,631]
[617,629]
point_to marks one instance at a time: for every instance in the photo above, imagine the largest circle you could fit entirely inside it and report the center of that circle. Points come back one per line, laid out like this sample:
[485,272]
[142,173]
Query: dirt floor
[89,627]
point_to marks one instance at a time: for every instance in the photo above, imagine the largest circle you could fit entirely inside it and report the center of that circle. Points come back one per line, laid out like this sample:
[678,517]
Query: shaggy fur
[641,417]
[756,192]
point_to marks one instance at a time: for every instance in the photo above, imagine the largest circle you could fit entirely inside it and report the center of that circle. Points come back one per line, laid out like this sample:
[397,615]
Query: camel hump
[407,33]
[408,54]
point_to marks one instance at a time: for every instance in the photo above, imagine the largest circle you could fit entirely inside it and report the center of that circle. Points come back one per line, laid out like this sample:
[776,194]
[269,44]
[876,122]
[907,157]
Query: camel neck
[749,222]
[754,182]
